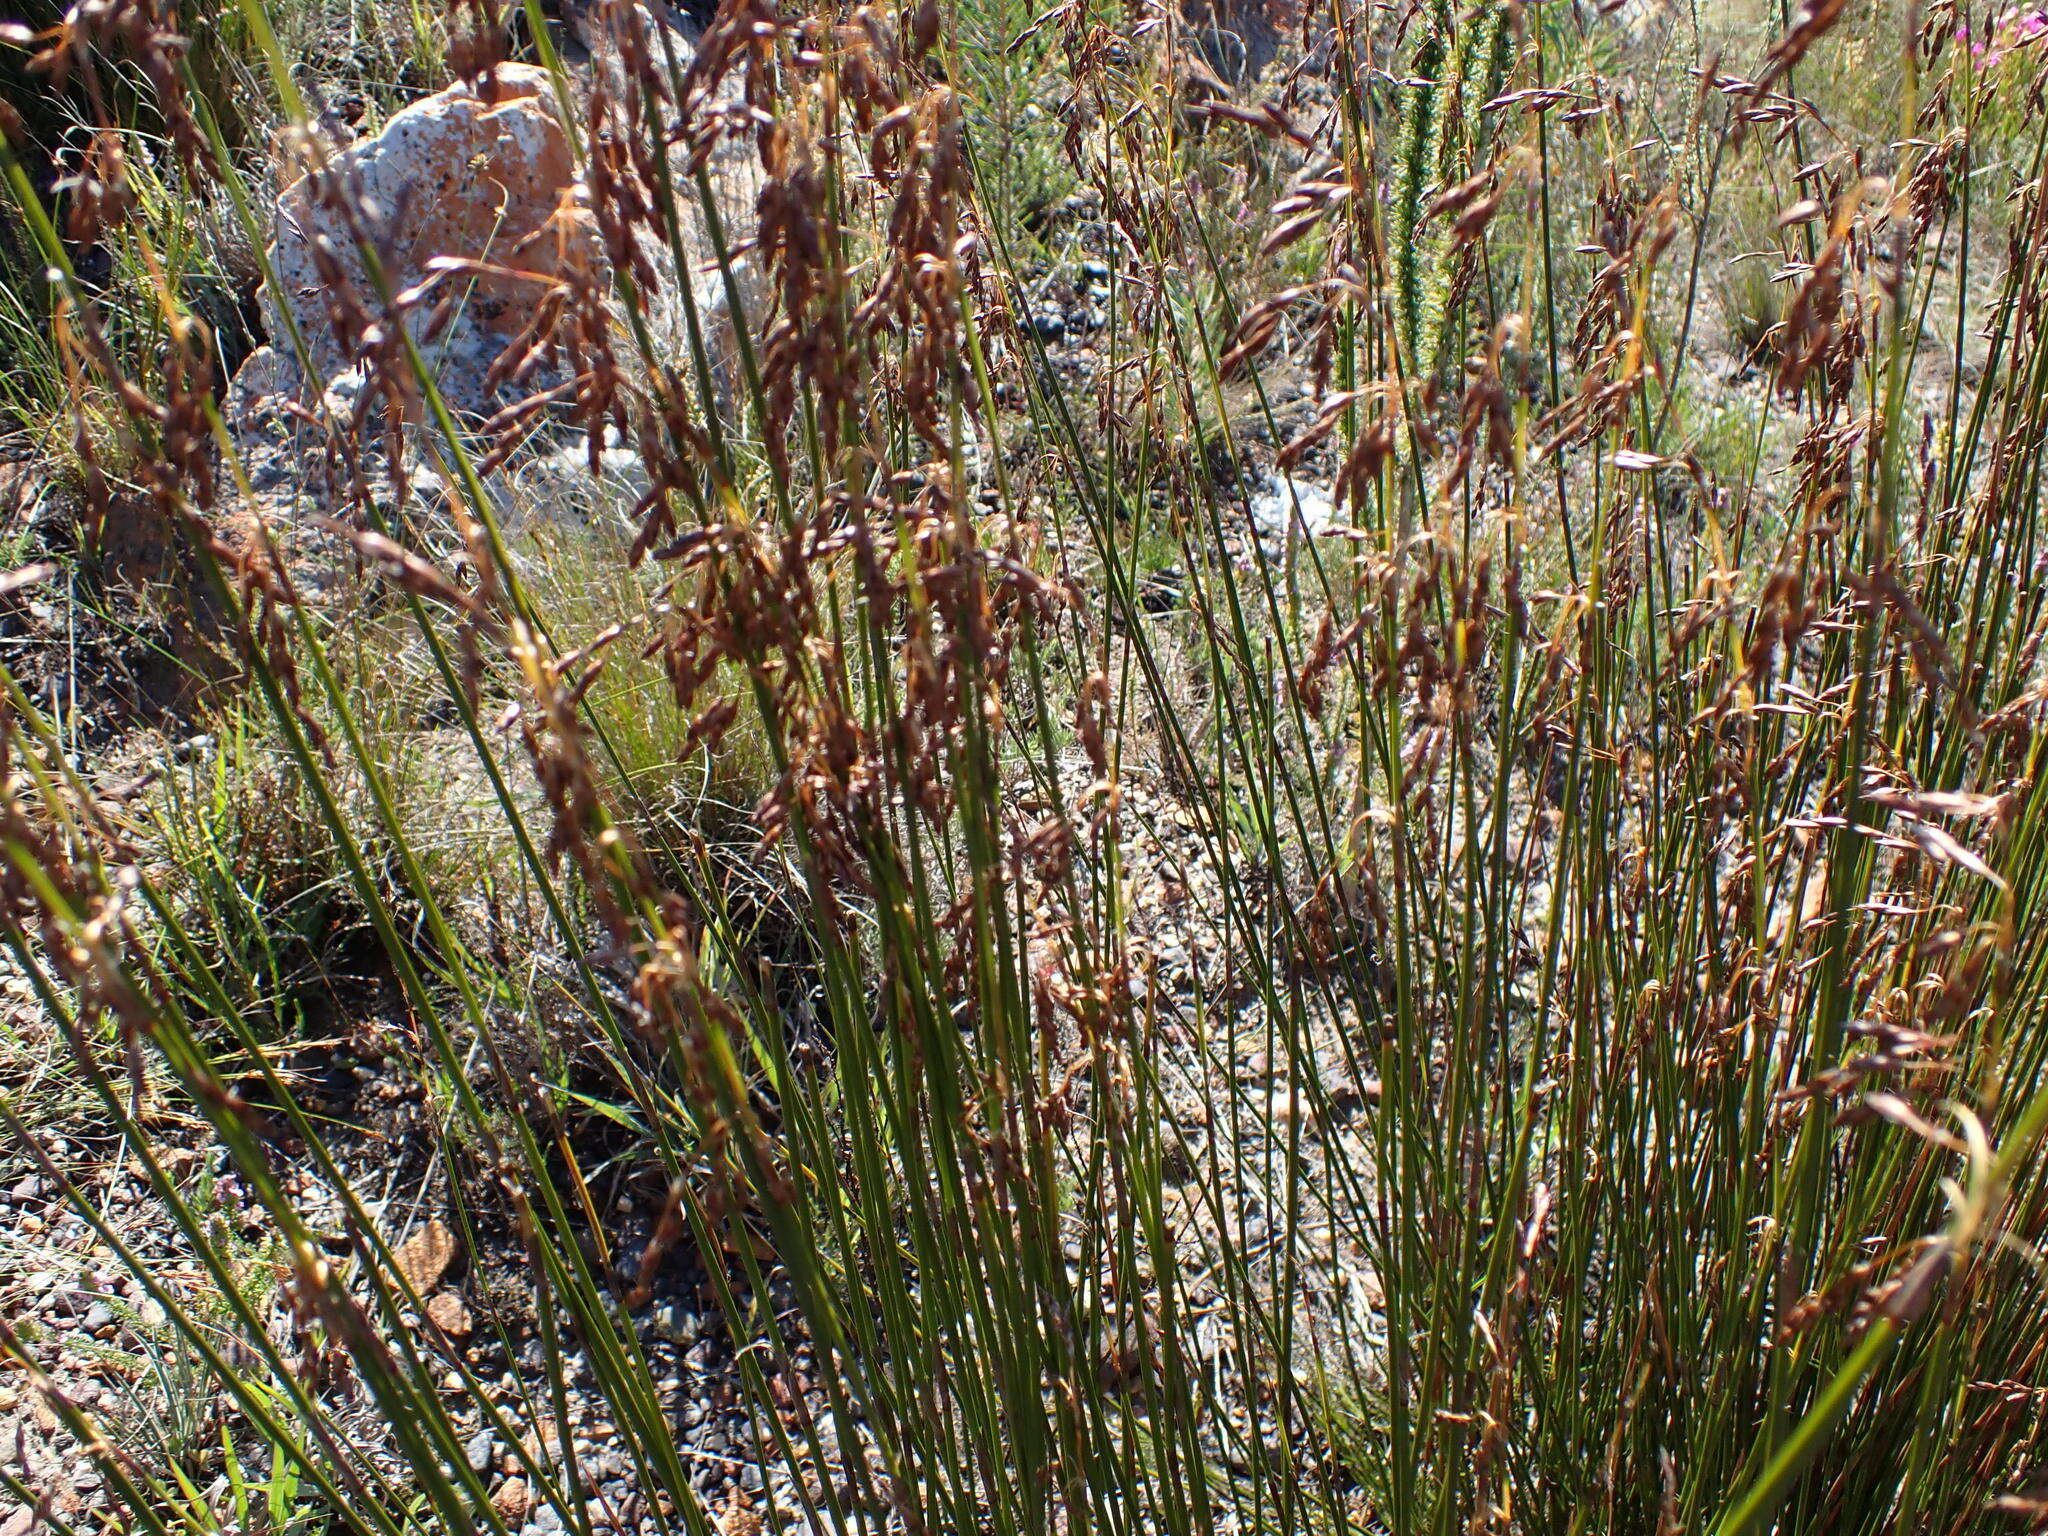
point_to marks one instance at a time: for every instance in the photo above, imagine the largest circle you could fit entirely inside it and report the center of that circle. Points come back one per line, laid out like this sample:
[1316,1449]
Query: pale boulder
[488,176]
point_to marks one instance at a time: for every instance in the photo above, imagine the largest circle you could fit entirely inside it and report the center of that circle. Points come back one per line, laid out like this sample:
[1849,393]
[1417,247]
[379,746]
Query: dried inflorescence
[1620,836]
[94,37]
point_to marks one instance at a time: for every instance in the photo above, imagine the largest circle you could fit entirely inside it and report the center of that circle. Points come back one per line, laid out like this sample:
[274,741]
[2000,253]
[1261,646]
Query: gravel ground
[103,1344]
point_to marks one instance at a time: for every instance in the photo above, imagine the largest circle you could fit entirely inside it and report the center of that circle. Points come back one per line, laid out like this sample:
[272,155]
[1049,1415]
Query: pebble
[1290,505]
[512,1498]
[482,1446]
[97,1316]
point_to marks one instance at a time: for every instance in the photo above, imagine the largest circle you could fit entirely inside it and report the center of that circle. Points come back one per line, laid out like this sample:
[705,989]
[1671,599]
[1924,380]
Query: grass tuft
[919,927]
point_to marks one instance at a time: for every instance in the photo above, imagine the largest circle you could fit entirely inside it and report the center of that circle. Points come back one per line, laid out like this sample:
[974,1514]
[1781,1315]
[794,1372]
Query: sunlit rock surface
[480,176]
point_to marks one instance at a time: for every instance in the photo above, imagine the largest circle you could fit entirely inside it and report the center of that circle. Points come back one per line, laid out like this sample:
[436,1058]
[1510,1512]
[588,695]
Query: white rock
[1288,505]
[455,174]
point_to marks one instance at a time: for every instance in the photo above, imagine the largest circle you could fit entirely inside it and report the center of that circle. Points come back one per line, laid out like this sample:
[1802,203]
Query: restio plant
[1611,1095]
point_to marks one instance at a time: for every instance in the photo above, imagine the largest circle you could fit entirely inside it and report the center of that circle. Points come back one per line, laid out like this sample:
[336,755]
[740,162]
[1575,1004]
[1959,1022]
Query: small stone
[97,1316]
[482,1445]
[29,1187]
[1160,591]
[448,1313]
[1287,506]
[513,1499]
[425,1255]
[1048,326]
